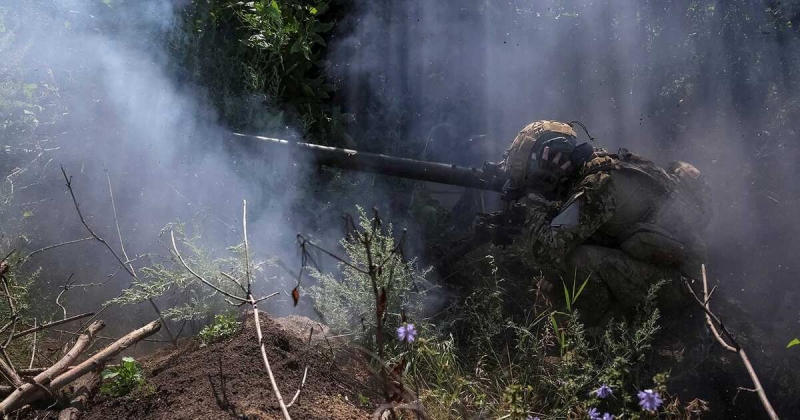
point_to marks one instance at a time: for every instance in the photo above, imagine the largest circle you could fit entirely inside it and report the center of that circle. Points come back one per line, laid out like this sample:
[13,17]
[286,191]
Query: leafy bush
[121,380]
[224,326]
[264,52]
[348,303]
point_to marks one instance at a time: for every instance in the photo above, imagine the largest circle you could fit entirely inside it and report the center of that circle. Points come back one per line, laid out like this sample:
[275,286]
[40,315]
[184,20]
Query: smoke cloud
[107,67]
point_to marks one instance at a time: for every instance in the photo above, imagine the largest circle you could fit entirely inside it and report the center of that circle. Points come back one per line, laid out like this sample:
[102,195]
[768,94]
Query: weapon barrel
[442,173]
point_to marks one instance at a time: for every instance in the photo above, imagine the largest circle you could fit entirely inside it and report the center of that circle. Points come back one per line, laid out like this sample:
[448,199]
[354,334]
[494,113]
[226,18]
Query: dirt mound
[228,379]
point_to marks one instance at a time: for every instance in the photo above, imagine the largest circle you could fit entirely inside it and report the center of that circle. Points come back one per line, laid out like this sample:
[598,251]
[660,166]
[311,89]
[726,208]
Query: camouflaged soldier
[617,219]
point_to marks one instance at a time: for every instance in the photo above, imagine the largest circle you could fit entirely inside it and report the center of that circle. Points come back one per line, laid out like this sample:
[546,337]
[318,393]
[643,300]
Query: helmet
[540,157]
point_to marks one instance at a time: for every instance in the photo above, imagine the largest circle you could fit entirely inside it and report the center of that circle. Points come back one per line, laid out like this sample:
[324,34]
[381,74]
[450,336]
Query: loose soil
[228,379]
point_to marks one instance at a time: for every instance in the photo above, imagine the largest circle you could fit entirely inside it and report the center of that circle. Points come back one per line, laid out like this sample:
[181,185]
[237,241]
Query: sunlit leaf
[795,342]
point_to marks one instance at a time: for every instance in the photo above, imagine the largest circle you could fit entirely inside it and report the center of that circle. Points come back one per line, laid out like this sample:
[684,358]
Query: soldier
[617,219]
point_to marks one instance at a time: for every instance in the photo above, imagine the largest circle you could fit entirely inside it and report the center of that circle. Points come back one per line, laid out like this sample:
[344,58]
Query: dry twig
[734,346]
[249,299]
[50,325]
[33,348]
[125,264]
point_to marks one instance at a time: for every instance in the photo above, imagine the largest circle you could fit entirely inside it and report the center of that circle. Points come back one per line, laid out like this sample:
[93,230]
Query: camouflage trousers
[618,283]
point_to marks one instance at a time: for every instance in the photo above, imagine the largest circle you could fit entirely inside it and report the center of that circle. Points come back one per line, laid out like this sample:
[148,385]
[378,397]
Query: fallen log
[84,388]
[31,372]
[43,379]
[33,391]
[81,344]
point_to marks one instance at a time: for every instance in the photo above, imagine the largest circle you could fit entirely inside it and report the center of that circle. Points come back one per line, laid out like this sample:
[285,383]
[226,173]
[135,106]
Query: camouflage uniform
[625,224]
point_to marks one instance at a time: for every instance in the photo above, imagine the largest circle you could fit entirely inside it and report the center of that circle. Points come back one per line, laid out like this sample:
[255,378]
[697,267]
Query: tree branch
[199,277]
[27,257]
[735,345]
[264,357]
[50,325]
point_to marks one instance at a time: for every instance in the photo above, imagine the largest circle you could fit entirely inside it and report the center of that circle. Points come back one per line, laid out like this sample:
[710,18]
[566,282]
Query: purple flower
[532,418]
[607,416]
[649,400]
[603,392]
[594,414]
[406,332]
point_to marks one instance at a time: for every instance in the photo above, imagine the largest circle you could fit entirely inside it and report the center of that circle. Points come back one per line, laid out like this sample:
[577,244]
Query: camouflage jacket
[550,244]
[613,197]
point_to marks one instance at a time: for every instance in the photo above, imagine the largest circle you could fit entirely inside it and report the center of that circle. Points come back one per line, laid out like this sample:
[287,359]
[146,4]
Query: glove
[552,170]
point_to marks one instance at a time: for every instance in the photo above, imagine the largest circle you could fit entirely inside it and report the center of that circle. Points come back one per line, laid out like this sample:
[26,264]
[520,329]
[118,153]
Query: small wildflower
[649,400]
[603,392]
[608,416]
[406,332]
[594,414]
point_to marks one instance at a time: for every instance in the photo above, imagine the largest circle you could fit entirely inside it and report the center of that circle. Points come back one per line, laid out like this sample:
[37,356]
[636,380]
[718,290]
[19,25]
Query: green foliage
[265,52]
[795,342]
[122,379]
[545,364]
[348,303]
[223,327]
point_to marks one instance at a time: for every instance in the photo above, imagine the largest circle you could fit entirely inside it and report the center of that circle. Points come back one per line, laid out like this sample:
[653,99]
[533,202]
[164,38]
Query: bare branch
[33,350]
[50,325]
[246,248]
[264,357]
[8,255]
[47,248]
[197,276]
[266,297]
[129,265]
[8,372]
[275,389]
[68,180]
[116,223]
[707,297]
[236,282]
[107,338]
[64,289]
[735,347]
[303,241]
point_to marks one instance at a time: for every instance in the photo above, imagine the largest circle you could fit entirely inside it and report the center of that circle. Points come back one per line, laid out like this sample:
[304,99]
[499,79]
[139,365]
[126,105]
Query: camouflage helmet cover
[528,145]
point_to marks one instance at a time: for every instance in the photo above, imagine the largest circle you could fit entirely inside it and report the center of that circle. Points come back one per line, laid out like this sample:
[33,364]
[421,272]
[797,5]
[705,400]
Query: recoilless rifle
[495,226]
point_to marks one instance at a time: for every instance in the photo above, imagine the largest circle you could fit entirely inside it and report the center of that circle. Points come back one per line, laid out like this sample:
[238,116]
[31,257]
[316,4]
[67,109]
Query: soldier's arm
[552,236]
